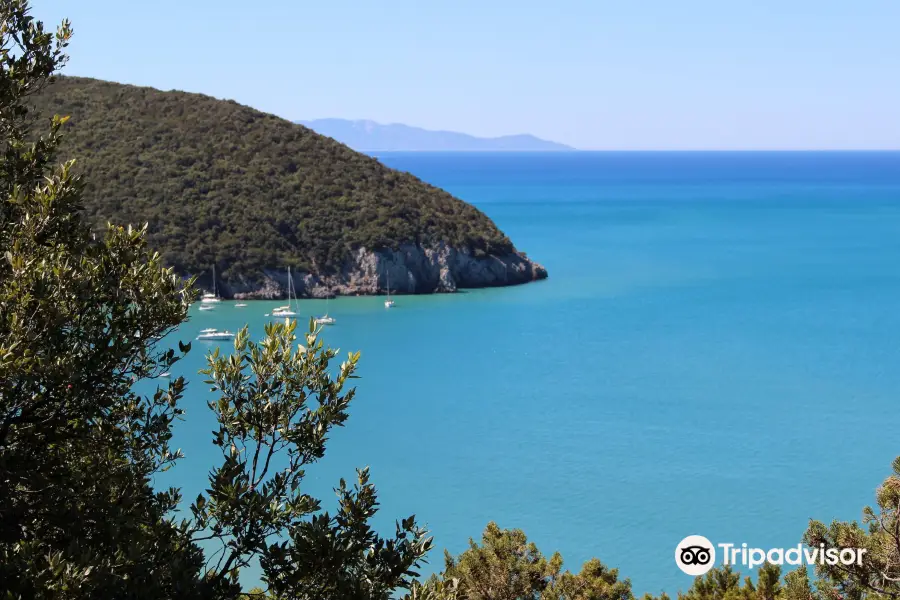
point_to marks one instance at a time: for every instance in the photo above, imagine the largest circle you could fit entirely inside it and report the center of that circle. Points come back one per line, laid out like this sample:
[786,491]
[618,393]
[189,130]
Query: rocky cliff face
[411,269]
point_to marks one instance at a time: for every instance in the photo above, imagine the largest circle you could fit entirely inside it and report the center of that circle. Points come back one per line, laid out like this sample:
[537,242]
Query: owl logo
[695,555]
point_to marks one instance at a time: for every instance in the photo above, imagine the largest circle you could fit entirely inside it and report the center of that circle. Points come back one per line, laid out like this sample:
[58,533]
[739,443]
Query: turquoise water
[715,352]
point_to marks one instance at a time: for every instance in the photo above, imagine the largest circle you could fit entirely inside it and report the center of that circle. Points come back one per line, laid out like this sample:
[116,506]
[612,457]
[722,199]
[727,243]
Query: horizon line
[611,150]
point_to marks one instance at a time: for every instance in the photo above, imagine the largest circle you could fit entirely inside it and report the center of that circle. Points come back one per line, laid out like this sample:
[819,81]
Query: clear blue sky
[657,74]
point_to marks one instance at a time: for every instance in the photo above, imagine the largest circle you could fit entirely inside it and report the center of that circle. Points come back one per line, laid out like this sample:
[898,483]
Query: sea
[716,352]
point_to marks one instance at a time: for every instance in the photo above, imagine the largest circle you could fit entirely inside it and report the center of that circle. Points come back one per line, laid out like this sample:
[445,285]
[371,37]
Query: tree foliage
[79,320]
[506,566]
[878,575]
[725,584]
[220,182]
[277,404]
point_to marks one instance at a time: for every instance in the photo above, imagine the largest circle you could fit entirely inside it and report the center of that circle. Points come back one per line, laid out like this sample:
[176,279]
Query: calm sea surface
[716,352]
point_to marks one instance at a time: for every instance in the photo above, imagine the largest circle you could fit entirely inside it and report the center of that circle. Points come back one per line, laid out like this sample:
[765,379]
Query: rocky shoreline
[410,269]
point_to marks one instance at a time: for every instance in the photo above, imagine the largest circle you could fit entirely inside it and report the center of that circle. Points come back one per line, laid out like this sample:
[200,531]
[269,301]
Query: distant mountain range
[369,136]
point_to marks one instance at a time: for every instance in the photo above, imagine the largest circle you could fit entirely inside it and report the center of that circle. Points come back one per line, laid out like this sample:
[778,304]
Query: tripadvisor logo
[695,555]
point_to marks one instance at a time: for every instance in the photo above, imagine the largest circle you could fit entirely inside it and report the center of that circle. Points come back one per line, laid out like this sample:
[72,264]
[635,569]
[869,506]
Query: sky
[594,74]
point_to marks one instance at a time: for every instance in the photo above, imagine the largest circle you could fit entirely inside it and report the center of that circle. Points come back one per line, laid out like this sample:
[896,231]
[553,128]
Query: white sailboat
[213,334]
[240,305]
[208,298]
[325,319]
[389,303]
[287,311]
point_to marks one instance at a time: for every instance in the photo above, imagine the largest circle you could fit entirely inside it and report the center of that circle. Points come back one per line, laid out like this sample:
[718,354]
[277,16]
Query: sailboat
[389,303]
[286,311]
[208,298]
[325,319]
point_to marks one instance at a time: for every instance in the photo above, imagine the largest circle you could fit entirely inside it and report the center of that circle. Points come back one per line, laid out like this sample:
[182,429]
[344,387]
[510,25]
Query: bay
[715,353]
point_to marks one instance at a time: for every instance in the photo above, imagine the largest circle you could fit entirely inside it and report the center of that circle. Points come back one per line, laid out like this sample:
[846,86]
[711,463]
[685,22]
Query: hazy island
[369,136]
[221,183]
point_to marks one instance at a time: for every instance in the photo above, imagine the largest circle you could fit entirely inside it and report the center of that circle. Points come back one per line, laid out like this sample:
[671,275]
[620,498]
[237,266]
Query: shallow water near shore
[715,352]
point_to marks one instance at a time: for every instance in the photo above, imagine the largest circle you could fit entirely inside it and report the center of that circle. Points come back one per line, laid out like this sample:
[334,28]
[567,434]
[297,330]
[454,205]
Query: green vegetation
[506,566]
[879,574]
[217,181]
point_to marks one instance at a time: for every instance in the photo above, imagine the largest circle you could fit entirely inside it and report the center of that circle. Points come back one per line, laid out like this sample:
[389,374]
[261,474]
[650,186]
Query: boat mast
[290,288]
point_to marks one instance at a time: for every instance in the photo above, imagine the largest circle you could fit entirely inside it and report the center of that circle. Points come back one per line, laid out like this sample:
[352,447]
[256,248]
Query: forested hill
[254,193]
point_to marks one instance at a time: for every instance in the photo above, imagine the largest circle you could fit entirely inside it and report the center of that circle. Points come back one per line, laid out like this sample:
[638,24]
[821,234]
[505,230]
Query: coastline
[410,269]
